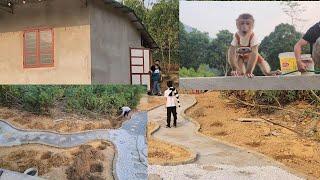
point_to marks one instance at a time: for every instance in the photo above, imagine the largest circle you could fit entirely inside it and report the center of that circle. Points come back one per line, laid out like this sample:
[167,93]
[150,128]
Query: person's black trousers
[173,111]
[126,114]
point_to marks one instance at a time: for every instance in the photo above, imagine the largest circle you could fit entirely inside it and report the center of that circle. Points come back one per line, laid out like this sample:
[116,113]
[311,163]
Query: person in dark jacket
[156,78]
[312,37]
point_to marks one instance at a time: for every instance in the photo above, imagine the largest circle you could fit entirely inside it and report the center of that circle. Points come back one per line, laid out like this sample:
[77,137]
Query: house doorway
[140,62]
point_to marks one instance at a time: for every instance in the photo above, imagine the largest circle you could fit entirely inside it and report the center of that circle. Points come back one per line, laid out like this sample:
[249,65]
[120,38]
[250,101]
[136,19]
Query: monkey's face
[245,26]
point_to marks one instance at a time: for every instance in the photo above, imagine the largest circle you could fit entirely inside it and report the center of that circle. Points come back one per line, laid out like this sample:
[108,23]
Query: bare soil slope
[59,122]
[218,119]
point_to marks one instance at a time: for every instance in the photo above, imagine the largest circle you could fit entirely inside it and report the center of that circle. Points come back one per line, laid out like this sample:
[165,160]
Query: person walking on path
[172,96]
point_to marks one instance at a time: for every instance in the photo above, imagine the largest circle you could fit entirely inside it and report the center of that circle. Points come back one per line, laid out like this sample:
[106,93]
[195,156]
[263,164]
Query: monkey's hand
[274,73]
[249,75]
[235,73]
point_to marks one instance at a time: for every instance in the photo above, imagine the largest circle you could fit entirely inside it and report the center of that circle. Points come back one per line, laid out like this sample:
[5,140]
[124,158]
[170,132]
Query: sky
[213,16]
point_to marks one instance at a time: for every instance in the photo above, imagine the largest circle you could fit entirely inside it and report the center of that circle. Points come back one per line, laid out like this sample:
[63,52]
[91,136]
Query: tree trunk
[162,56]
[169,58]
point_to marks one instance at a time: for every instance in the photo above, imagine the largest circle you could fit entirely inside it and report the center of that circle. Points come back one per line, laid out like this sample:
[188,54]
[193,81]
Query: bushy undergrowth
[101,99]
[275,97]
[202,71]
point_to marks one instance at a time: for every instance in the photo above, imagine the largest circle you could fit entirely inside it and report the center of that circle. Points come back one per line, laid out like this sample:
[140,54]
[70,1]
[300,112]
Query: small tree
[282,39]
[294,10]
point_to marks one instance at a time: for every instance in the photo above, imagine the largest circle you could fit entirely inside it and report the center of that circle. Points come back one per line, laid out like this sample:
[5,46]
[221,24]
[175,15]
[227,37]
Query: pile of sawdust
[218,120]
[24,158]
[88,164]
[160,152]
[93,160]
[67,124]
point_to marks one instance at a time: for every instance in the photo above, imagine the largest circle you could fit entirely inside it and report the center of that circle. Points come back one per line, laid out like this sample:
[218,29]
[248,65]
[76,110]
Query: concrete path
[216,160]
[129,140]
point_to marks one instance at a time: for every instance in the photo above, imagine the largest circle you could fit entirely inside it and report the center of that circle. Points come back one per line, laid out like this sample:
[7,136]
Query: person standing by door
[156,77]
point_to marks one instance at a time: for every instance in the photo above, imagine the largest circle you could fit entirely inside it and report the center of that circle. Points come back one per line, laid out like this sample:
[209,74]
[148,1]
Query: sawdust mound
[87,164]
[21,160]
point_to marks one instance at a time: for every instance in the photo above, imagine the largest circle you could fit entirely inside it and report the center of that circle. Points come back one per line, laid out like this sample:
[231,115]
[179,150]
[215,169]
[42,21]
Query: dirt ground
[150,102]
[59,122]
[172,76]
[91,161]
[160,152]
[219,118]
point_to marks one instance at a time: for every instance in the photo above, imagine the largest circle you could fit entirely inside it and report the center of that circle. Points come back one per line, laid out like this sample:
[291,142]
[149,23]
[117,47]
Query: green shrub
[101,99]
[202,71]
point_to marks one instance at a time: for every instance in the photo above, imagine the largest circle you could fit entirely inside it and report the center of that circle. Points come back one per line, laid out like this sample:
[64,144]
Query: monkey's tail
[227,63]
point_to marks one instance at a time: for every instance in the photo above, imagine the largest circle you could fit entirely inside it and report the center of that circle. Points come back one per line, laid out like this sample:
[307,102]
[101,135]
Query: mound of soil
[91,161]
[20,159]
[87,164]
[218,118]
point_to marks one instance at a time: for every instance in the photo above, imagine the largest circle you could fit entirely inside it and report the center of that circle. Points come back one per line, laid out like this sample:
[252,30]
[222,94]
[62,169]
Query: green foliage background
[101,99]
[202,71]
[162,22]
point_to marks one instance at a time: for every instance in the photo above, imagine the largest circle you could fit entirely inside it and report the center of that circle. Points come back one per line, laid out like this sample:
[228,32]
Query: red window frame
[38,63]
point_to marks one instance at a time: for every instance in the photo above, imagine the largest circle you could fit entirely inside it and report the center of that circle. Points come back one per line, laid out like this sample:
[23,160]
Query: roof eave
[136,21]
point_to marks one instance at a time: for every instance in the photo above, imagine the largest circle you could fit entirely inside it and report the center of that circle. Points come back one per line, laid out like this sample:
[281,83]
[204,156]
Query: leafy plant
[203,71]
[101,99]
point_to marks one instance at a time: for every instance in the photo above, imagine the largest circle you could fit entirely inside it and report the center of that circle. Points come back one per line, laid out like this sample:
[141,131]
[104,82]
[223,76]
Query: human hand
[302,67]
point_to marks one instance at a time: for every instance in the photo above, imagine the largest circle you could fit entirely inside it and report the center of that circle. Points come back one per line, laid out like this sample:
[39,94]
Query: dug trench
[246,127]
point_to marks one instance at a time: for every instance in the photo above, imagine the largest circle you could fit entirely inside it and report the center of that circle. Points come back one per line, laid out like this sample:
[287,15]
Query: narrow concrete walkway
[216,160]
[130,142]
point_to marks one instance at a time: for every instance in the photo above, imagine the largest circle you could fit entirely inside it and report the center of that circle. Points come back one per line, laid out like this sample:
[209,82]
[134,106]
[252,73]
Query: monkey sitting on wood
[243,53]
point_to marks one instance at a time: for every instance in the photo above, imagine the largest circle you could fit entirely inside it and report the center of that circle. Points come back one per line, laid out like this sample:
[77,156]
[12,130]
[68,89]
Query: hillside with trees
[162,21]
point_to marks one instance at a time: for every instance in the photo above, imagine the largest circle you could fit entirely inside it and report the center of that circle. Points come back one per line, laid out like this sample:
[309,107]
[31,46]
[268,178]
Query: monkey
[243,55]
